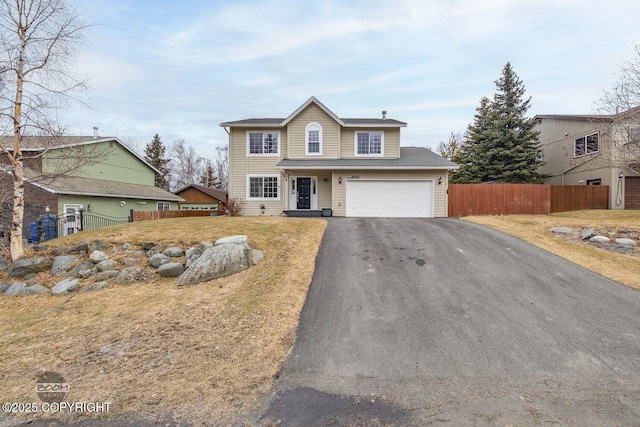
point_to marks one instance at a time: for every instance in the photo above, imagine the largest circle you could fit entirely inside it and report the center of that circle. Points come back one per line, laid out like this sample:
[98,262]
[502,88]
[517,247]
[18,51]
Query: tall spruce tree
[502,145]
[154,154]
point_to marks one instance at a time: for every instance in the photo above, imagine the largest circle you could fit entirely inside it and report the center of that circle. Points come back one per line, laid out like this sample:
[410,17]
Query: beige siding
[440,190]
[296,133]
[391,142]
[241,165]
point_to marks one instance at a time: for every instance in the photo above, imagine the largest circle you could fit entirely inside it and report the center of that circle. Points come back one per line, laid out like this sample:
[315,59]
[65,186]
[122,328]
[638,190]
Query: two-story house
[593,150]
[314,162]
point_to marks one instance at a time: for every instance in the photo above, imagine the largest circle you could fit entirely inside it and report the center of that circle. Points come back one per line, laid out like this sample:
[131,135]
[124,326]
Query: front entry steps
[304,213]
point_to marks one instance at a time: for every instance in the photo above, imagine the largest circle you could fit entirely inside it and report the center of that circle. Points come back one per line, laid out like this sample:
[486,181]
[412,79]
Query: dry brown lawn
[204,354]
[624,268]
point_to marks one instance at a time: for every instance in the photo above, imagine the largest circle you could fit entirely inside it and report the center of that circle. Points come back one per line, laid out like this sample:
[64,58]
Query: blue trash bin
[34,230]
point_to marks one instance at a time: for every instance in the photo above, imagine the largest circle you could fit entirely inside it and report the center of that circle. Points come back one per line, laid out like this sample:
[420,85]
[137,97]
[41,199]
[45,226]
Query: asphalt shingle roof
[410,158]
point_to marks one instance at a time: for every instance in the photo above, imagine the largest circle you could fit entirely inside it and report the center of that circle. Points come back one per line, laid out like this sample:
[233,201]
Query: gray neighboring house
[314,162]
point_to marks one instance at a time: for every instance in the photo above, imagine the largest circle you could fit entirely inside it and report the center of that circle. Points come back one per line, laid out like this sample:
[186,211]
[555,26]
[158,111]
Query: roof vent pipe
[384,114]
[95,132]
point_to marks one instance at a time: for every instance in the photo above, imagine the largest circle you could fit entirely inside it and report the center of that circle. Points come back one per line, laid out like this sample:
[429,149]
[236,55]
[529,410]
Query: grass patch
[201,354]
[624,268]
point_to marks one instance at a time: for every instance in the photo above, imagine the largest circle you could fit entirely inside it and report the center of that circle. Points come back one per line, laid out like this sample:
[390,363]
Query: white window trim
[306,139]
[575,156]
[293,199]
[263,199]
[249,154]
[163,203]
[355,143]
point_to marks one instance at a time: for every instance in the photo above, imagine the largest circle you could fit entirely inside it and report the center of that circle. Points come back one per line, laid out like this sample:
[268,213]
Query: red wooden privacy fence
[510,199]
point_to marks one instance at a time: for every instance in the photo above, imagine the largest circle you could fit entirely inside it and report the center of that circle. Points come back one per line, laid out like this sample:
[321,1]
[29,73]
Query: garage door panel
[390,198]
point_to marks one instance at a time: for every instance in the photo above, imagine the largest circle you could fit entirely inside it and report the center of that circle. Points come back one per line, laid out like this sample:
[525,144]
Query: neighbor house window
[263,187]
[588,144]
[369,143]
[263,143]
[634,135]
[163,206]
[313,138]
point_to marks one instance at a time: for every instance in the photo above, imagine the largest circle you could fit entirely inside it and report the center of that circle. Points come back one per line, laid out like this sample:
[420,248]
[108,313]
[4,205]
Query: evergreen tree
[154,154]
[208,177]
[502,145]
[451,148]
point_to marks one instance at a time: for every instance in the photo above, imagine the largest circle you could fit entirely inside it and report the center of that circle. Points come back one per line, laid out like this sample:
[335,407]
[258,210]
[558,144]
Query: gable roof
[213,192]
[42,143]
[282,122]
[417,158]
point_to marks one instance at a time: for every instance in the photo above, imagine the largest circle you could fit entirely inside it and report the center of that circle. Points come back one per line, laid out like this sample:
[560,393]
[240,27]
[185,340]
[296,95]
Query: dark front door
[304,193]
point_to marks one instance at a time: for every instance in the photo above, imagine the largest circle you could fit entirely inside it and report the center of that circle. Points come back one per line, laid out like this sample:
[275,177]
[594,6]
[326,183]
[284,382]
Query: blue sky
[179,68]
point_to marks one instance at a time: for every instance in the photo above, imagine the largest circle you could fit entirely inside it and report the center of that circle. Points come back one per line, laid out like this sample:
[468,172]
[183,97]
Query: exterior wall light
[439,180]
[340,180]
[620,175]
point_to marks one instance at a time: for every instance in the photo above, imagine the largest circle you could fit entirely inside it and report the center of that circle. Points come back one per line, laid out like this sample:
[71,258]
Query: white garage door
[390,198]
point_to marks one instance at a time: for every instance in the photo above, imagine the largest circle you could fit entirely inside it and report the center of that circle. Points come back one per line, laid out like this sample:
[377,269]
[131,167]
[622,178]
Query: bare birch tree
[38,39]
[186,166]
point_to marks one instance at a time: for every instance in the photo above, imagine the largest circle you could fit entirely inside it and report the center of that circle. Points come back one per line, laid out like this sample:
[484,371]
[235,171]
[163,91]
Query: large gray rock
[87,265]
[85,274]
[65,286]
[96,286]
[62,263]
[87,247]
[148,245]
[15,288]
[173,252]
[61,250]
[3,287]
[233,240]
[133,275]
[154,250]
[33,290]
[625,242]
[107,264]
[98,256]
[219,261]
[4,263]
[599,239]
[106,275]
[172,269]
[194,253]
[561,230]
[25,266]
[158,259]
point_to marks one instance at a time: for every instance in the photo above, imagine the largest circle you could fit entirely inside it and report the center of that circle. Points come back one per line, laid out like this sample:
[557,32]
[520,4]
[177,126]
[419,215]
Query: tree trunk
[17,250]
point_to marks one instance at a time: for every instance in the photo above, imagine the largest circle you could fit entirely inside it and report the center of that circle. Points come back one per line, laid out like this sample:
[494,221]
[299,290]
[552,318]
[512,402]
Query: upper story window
[369,143]
[588,144]
[263,143]
[313,139]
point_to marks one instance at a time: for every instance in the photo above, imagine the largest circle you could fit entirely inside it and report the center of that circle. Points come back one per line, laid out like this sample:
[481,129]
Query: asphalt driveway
[414,322]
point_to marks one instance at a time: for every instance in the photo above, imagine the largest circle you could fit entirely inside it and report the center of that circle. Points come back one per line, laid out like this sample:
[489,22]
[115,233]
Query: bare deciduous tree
[186,166]
[222,166]
[38,39]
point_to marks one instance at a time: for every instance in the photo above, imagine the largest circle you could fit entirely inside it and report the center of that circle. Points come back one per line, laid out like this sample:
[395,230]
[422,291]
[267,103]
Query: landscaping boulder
[62,263]
[33,290]
[15,288]
[173,252]
[88,247]
[134,274]
[599,239]
[219,261]
[85,274]
[3,287]
[171,269]
[4,263]
[25,266]
[256,256]
[232,240]
[625,242]
[158,259]
[84,266]
[128,262]
[107,264]
[106,275]
[98,256]
[587,234]
[65,286]
[61,250]
[148,245]
[194,253]
[154,250]
[96,286]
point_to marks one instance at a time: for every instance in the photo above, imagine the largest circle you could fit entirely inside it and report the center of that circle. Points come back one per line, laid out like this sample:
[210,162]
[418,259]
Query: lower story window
[163,206]
[263,187]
